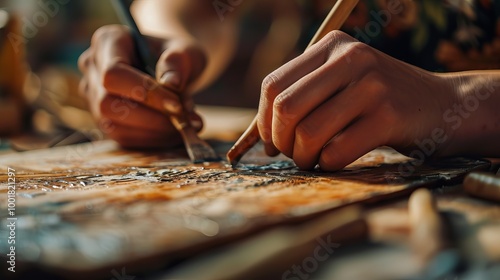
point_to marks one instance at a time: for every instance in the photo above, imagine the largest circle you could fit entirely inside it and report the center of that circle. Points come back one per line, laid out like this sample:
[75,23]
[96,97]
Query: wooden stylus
[334,20]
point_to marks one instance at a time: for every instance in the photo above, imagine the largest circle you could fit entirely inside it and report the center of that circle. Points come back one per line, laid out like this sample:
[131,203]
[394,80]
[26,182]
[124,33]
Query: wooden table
[94,210]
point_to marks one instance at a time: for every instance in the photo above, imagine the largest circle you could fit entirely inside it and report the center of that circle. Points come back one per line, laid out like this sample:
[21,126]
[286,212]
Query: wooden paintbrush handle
[335,19]
[249,138]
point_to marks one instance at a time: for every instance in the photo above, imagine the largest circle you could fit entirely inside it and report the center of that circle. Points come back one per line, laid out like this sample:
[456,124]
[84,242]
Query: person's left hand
[130,106]
[341,99]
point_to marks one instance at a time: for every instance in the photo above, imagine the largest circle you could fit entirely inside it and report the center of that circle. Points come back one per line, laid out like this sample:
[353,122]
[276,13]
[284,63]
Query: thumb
[179,65]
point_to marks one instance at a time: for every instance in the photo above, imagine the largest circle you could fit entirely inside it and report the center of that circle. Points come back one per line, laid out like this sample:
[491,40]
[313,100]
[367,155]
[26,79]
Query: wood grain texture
[92,207]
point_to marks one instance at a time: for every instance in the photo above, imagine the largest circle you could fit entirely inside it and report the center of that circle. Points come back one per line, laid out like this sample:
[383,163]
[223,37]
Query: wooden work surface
[92,207]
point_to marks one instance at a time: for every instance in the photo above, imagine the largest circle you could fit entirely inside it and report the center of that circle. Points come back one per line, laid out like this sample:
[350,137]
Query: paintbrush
[197,149]
[334,20]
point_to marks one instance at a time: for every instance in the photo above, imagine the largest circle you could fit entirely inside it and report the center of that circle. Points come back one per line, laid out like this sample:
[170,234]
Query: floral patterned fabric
[446,35]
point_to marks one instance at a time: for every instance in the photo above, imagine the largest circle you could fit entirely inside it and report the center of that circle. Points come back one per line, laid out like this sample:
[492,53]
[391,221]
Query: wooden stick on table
[428,233]
[334,20]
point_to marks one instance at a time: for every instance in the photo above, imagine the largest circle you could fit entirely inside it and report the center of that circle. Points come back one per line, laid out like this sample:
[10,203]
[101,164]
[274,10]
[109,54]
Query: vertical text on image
[11,220]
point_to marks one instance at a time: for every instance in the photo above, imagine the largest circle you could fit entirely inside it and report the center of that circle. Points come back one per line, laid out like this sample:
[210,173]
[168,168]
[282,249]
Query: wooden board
[92,207]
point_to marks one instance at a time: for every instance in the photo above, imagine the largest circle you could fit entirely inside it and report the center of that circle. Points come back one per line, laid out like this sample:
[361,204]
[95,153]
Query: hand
[131,106]
[341,99]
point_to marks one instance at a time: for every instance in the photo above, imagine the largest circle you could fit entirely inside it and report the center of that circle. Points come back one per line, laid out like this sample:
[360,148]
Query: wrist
[472,120]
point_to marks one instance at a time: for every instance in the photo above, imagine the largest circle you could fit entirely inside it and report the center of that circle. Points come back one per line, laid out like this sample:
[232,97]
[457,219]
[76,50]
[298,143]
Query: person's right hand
[341,99]
[132,107]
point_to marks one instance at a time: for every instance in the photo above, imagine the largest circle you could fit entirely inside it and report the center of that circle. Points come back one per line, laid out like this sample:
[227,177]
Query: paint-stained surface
[94,206]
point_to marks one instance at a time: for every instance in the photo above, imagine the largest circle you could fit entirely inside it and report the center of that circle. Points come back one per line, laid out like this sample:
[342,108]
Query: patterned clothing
[447,35]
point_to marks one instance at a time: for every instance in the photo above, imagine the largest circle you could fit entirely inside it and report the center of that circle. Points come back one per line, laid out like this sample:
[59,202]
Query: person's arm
[473,120]
[341,99]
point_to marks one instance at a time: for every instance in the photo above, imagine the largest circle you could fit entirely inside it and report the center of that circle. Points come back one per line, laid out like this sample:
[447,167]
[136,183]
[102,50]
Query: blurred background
[58,31]
[40,45]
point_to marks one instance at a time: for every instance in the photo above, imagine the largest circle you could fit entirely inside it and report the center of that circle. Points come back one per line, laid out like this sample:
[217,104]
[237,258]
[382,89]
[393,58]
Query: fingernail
[173,108]
[171,79]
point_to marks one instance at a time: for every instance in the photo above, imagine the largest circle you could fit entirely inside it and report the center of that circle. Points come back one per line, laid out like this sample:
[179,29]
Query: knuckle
[280,105]
[335,39]
[281,111]
[366,54]
[336,35]
[357,48]
[85,60]
[361,52]
[269,87]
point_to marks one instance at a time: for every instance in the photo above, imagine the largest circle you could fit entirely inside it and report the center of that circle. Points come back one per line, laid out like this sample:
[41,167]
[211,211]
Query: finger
[293,71]
[125,81]
[281,79]
[114,59]
[180,64]
[129,113]
[315,130]
[356,140]
[304,96]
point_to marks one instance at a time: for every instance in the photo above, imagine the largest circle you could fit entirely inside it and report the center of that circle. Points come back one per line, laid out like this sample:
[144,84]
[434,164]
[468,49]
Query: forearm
[473,118]
[191,20]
